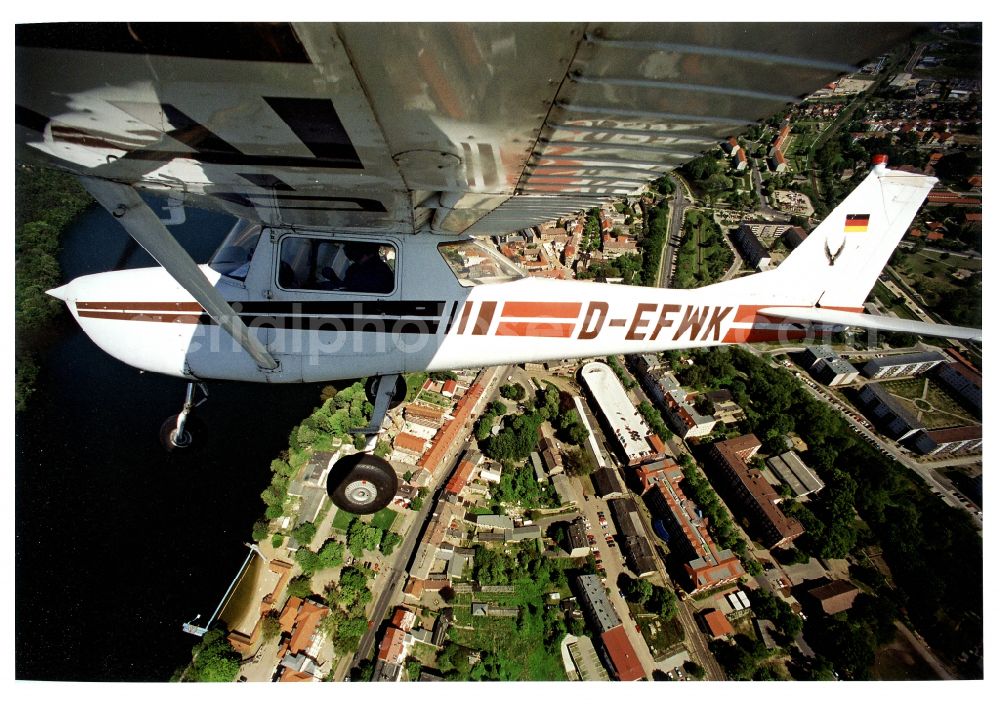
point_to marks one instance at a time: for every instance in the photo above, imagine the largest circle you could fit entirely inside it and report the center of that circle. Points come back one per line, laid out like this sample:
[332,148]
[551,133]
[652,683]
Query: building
[828,367]
[707,566]
[725,409]
[716,624]
[902,365]
[962,378]
[686,420]
[391,655]
[747,488]
[835,596]
[268,577]
[739,162]
[900,422]
[793,237]
[606,483]
[802,480]
[751,249]
[635,546]
[576,539]
[620,656]
[409,444]
[585,661]
[624,661]
[595,602]
[625,423]
[949,441]
[560,482]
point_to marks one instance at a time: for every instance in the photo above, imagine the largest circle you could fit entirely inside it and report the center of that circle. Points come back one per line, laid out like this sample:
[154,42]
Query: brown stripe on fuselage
[531,309]
[749,314]
[188,306]
[737,335]
[486,311]
[466,309]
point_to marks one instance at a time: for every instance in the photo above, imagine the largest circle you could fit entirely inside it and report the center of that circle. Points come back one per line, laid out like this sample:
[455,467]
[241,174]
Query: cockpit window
[476,263]
[321,264]
[232,258]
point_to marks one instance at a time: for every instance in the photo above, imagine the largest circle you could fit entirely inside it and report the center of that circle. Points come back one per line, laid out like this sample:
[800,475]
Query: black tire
[173,444]
[362,483]
[398,394]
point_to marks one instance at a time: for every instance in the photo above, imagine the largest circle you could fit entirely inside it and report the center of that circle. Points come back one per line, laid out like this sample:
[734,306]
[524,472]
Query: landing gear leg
[175,433]
[364,483]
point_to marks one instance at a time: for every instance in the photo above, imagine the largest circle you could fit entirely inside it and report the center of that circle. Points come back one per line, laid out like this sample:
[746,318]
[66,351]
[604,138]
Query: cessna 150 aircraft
[363,160]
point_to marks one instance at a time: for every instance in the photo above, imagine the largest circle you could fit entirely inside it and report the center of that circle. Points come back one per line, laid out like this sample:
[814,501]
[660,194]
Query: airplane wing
[874,322]
[408,128]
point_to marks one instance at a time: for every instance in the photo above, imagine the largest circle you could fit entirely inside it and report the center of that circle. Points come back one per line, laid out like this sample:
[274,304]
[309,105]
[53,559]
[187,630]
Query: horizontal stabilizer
[874,322]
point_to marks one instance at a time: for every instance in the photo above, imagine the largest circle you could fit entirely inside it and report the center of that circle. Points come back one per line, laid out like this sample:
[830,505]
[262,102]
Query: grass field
[384,519]
[929,402]
[341,520]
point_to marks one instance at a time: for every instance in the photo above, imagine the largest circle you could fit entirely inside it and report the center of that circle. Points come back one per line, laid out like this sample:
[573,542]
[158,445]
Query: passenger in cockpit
[368,273]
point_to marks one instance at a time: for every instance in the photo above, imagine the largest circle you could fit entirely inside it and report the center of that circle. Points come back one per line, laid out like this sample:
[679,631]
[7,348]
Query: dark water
[117,542]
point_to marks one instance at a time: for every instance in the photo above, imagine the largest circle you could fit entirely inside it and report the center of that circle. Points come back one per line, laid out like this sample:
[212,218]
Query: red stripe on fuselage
[529,309]
[535,329]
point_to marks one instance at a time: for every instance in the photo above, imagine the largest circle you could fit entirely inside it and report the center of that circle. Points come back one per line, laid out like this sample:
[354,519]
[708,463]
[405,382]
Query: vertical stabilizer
[840,261]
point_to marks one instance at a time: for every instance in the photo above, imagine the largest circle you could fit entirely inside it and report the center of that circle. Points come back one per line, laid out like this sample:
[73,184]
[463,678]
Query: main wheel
[176,443]
[362,483]
[398,393]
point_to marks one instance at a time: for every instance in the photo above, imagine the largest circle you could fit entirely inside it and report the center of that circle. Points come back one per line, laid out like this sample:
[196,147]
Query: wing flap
[874,322]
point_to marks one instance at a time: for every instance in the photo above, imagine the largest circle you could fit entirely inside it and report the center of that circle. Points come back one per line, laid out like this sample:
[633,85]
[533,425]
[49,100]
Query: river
[117,543]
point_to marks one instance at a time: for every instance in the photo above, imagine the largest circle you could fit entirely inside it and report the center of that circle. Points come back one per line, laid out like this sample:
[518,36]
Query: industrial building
[802,480]
[625,423]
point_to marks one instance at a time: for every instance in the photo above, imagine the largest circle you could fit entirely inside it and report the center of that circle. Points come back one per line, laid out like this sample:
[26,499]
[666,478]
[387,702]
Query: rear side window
[322,264]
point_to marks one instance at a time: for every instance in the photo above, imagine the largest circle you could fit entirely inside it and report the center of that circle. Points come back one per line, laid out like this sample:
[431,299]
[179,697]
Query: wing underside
[444,128]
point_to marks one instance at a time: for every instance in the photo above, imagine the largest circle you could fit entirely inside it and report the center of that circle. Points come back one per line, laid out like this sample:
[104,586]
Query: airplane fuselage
[428,321]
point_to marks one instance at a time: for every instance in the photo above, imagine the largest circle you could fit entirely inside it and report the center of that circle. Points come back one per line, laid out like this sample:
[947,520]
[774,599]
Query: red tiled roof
[306,621]
[718,624]
[622,655]
[412,443]
[966,432]
[460,478]
[391,648]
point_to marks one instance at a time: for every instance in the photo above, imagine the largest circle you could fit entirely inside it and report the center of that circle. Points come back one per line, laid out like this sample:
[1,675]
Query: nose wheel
[362,483]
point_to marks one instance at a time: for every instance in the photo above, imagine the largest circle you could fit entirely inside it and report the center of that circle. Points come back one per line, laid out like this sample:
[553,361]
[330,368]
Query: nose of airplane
[62,292]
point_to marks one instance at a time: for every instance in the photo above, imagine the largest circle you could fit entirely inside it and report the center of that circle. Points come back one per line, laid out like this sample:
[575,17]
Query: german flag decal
[856,223]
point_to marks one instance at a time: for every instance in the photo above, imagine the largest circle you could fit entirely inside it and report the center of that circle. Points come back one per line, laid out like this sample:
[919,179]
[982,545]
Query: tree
[270,627]
[304,532]
[300,586]
[214,659]
[362,536]
[389,543]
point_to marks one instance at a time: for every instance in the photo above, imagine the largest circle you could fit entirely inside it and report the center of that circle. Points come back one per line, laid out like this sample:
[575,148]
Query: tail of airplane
[840,261]
[827,278]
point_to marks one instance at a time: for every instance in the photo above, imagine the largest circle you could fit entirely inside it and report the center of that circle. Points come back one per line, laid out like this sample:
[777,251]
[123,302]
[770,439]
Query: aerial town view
[805,509]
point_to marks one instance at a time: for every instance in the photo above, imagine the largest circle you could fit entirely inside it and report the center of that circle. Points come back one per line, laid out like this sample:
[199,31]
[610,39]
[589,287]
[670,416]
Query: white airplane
[364,161]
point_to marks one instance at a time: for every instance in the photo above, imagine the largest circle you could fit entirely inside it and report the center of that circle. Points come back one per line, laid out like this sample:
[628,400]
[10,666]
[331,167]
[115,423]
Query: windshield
[476,263]
[232,258]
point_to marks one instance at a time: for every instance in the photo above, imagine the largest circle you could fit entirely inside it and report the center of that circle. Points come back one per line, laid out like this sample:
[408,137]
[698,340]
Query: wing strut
[139,220]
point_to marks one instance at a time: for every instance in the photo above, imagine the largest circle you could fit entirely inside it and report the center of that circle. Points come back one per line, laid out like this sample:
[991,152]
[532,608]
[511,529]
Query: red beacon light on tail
[880,162]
